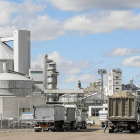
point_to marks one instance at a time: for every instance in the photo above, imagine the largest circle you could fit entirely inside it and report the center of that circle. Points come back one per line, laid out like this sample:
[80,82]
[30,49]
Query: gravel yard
[91,133]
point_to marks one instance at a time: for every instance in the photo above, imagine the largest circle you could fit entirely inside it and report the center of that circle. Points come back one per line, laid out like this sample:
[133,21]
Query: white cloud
[122,52]
[81,5]
[28,15]
[82,78]
[45,28]
[103,22]
[73,71]
[37,61]
[133,61]
[63,65]
[31,7]
[6,11]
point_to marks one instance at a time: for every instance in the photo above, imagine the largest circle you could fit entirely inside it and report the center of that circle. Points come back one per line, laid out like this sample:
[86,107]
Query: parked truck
[75,118]
[69,117]
[49,117]
[123,112]
[58,117]
[81,119]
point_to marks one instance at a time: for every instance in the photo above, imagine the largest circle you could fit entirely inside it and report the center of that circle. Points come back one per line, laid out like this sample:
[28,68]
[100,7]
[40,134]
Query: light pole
[102,72]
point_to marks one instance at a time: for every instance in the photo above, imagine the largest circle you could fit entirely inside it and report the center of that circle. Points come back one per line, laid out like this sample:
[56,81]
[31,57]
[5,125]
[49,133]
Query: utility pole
[102,72]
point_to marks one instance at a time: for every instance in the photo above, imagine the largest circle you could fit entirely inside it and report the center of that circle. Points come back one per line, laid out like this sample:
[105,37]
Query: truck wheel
[89,124]
[111,131]
[72,126]
[54,129]
[132,131]
[85,125]
[76,128]
[62,127]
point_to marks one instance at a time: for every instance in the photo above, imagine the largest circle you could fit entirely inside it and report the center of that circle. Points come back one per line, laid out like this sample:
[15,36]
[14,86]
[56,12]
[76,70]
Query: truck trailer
[49,117]
[123,111]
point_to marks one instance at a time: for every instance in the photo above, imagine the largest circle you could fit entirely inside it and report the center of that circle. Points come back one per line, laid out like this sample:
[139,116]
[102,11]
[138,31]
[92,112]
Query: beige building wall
[13,106]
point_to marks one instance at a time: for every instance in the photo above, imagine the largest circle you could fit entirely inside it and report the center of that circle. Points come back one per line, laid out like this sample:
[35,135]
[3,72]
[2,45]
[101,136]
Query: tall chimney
[79,84]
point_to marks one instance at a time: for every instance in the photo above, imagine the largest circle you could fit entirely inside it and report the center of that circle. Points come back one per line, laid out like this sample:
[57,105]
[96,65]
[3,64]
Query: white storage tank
[6,55]
[14,85]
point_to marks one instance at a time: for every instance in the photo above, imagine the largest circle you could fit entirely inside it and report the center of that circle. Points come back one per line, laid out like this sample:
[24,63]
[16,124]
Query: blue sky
[81,36]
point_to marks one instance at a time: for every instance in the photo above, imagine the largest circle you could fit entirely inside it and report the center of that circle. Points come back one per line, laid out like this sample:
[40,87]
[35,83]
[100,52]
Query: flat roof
[64,91]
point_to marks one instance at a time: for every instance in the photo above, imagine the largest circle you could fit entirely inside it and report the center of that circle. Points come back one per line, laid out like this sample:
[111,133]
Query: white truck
[58,117]
[81,119]
[69,117]
[74,118]
[49,117]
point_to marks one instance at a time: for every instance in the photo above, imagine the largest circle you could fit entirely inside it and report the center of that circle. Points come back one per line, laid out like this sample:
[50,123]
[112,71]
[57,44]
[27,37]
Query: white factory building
[18,59]
[50,74]
[6,55]
[46,77]
[36,74]
[114,81]
[15,84]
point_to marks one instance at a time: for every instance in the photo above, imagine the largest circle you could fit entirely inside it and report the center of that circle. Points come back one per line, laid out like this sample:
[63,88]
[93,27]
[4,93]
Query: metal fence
[10,124]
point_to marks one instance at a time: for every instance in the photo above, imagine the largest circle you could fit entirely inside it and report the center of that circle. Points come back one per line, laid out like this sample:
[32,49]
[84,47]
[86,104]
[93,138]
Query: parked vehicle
[58,117]
[123,111]
[81,119]
[74,118]
[90,122]
[69,117]
[49,117]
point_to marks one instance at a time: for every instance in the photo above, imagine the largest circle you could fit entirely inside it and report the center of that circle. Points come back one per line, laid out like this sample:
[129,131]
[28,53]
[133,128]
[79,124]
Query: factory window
[99,101]
[138,92]
[38,82]
[36,72]
[21,110]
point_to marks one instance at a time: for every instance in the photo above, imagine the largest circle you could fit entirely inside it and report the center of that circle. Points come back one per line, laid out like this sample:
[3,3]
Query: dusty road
[92,133]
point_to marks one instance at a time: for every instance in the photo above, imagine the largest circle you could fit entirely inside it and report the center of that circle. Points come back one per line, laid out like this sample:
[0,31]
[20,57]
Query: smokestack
[79,84]
[5,67]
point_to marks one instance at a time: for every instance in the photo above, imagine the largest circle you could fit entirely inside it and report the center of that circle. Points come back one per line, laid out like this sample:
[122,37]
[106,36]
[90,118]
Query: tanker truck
[123,112]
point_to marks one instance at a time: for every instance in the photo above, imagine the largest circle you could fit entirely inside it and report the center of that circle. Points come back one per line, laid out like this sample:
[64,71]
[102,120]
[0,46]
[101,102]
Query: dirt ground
[91,133]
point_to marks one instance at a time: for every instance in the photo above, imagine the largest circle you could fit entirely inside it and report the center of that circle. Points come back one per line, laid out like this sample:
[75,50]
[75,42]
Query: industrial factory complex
[22,87]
